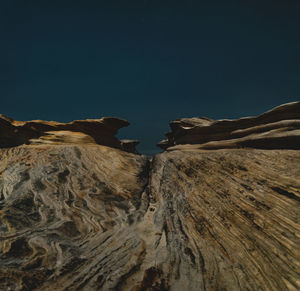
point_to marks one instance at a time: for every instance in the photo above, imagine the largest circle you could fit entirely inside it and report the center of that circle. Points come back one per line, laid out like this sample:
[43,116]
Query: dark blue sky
[149,62]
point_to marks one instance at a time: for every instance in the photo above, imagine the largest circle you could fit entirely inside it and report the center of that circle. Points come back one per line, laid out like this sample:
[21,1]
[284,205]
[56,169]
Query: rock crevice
[83,216]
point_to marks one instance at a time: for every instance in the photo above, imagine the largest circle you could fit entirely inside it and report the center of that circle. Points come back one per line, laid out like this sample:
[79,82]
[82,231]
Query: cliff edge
[90,131]
[278,128]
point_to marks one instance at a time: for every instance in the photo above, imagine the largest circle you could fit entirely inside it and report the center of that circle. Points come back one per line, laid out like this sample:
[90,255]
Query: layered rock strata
[92,217]
[67,216]
[278,128]
[90,131]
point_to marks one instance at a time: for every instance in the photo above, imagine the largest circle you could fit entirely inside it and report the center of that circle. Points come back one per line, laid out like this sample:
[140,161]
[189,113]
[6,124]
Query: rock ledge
[90,131]
[278,128]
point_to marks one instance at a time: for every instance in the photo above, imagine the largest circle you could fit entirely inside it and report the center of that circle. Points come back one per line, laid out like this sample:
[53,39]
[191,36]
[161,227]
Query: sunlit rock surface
[66,213]
[89,217]
[90,131]
[278,128]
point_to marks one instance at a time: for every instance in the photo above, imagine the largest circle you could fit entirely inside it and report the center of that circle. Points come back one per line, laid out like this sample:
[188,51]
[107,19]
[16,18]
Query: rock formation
[91,131]
[83,216]
[278,128]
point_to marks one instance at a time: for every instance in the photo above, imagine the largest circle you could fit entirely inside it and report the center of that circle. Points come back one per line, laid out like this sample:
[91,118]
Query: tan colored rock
[65,212]
[76,215]
[90,131]
[89,217]
[275,129]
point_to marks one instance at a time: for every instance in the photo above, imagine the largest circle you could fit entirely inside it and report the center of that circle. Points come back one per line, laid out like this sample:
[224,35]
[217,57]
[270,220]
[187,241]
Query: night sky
[149,62]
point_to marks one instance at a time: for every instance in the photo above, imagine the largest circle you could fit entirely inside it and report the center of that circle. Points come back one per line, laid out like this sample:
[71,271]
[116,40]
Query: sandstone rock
[129,145]
[98,131]
[67,211]
[89,217]
[278,128]
[76,215]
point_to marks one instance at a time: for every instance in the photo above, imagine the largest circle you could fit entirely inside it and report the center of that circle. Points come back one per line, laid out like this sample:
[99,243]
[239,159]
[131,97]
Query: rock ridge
[83,216]
[278,128]
[90,131]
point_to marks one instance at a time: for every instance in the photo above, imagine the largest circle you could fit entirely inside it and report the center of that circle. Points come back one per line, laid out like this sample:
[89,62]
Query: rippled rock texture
[91,217]
[278,128]
[96,218]
[68,216]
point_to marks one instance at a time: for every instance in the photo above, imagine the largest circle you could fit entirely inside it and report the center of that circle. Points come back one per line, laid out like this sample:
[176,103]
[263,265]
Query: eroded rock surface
[90,131]
[278,128]
[96,218]
[230,218]
[66,215]
[79,216]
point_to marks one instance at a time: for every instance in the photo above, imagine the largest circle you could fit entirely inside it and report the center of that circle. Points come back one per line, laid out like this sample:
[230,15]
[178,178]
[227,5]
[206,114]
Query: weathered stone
[82,216]
[278,128]
[129,145]
[98,131]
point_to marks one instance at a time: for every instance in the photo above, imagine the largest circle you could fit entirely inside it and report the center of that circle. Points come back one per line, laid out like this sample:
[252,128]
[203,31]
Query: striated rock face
[230,218]
[278,128]
[87,218]
[92,217]
[68,215]
[91,131]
